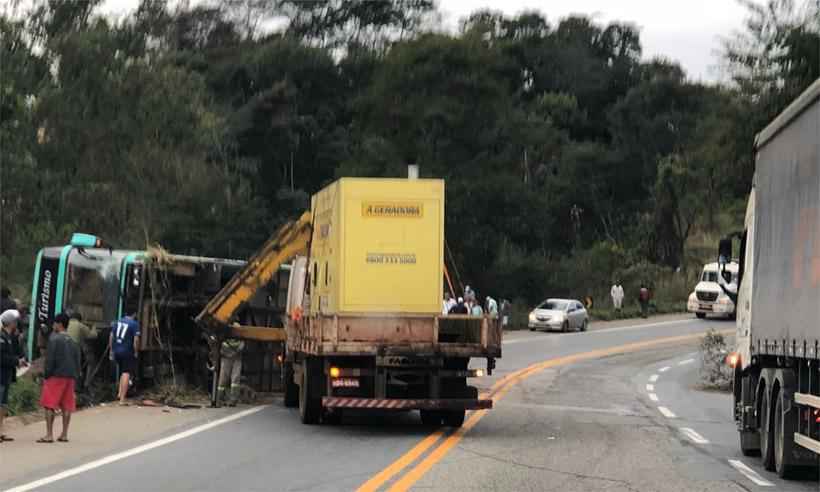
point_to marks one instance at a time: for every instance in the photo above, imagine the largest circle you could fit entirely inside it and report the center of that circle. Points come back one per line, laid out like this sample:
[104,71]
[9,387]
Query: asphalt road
[583,423]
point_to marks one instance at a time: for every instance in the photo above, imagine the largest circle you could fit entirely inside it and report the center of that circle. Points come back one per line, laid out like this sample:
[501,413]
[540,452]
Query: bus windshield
[93,284]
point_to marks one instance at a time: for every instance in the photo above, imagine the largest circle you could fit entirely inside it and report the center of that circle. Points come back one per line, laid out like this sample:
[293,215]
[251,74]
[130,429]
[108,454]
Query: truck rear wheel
[310,406]
[742,389]
[454,418]
[431,418]
[783,434]
[766,441]
[749,443]
[289,388]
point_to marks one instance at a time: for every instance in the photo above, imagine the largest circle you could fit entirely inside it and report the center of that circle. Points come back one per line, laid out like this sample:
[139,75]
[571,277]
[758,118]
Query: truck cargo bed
[785,307]
[397,334]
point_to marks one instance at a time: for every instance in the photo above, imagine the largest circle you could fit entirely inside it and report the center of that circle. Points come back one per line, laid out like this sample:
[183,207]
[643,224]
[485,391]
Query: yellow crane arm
[290,240]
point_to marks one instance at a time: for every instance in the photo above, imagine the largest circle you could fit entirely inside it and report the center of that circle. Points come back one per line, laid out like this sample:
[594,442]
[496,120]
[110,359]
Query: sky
[686,31]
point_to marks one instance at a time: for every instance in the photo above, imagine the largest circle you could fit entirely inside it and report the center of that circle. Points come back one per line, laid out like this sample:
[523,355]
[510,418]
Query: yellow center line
[383,476]
[498,390]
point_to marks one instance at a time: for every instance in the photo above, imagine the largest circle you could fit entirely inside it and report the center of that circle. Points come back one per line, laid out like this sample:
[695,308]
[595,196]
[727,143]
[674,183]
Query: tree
[777,55]
[677,206]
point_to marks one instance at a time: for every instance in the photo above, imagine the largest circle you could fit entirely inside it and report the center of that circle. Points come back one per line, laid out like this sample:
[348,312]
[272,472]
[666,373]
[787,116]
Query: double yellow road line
[496,392]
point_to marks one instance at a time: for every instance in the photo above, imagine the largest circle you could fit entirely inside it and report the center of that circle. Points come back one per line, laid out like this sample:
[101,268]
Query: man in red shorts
[61,371]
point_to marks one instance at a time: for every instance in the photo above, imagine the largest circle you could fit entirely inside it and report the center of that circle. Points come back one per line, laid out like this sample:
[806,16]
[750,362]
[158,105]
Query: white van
[708,297]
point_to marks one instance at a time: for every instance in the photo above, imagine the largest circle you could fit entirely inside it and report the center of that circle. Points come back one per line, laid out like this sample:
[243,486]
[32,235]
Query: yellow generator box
[377,246]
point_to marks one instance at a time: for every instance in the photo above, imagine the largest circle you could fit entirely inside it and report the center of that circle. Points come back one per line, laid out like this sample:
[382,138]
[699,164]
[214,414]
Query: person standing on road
[123,343]
[10,360]
[230,370]
[643,299]
[617,293]
[469,294]
[81,334]
[449,302]
[62,369]
[476,310]
[492,306]
[6,302]
[460,307]
[506,307]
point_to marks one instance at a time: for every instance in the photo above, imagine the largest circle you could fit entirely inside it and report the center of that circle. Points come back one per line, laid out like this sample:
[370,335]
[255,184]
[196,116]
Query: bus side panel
[44,293]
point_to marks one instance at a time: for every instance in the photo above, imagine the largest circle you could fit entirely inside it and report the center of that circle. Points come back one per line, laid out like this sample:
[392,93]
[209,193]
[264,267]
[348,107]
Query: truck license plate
[706,307]
[344,383]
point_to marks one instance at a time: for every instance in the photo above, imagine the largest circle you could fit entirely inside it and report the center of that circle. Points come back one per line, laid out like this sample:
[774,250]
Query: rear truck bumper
[409,404]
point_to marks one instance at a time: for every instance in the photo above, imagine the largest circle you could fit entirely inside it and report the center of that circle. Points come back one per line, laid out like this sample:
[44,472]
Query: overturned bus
[166,291]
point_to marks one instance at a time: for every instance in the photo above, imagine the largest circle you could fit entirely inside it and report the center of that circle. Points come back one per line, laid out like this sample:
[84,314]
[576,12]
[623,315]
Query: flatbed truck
[364,329]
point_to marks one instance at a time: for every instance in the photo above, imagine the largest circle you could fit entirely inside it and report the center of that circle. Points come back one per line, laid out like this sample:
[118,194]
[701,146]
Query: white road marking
[667,413]
[603,330]
[653,397]
[687,361]
[693,436]
[653,378]
[650,387]
[131,452]
[615,410]
[750,474]
[664,369]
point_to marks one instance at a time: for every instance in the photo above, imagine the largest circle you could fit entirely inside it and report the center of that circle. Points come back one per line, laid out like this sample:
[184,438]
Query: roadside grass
[24,396]
[715,374]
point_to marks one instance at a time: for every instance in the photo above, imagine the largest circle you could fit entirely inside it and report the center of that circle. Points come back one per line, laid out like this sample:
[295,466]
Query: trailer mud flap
[397,404]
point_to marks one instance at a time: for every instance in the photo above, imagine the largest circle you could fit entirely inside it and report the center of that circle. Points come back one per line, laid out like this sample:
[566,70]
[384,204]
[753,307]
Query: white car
[559,314]
[709,297]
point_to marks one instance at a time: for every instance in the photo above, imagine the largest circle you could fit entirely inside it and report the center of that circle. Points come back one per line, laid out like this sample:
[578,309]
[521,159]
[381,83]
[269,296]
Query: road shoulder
[94,432]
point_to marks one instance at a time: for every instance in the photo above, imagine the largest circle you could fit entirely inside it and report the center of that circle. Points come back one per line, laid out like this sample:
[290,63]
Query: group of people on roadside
[644,297]
[62,369]
[468,304]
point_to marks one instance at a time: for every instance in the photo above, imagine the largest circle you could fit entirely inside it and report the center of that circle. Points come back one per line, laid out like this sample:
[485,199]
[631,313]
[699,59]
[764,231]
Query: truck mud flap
[397,404]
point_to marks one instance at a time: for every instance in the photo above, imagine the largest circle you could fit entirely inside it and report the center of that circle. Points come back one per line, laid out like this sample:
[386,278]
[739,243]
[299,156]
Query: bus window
[93,284]
[133,287]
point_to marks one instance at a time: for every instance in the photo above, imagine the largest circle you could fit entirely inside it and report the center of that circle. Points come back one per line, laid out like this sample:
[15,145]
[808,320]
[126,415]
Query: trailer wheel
[749,443]
[454,418]
[289,388]
[749,439]
[310,407]
[783,440]
[431,418]
[766,441]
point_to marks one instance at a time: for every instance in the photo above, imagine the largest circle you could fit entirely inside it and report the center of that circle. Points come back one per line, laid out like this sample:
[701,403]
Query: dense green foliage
[569,159]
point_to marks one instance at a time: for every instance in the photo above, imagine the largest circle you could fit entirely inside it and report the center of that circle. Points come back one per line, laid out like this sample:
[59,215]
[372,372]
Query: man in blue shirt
[124,346]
